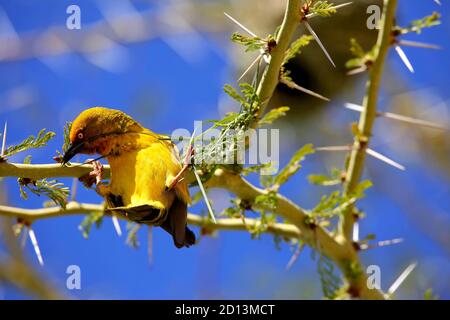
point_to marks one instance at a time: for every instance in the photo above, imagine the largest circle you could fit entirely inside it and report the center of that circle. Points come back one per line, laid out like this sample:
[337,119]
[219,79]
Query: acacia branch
[343,253]
[75,208]
[369,112]
[41,171]
[271,75]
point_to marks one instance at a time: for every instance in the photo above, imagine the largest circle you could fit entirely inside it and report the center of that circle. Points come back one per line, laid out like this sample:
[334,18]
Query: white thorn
[294,257]
[4,139]
[354,107]
[241,25]
[418,44]
[24,235]
[205,196]
[382,243]
[258,58]
[150,245]
[35,246]
[385,159]
[334,148]
[411,120]
[355,232]
[307,91]
[404,58]
[312,15]
[397,283]
[391,242]
[116,225]
[357,70]
[310,29]
[266,56]
[399,117]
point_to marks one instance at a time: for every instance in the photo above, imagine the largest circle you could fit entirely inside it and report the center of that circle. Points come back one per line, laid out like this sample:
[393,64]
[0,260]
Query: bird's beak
[73,150]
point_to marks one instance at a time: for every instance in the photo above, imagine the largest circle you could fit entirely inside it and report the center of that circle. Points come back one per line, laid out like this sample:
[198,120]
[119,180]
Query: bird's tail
[176,224]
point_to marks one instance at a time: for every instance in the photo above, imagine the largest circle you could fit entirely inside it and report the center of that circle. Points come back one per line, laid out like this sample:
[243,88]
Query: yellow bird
[143,166]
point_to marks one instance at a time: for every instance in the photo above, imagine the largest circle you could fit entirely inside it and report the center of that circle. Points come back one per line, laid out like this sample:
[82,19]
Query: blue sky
[165,91]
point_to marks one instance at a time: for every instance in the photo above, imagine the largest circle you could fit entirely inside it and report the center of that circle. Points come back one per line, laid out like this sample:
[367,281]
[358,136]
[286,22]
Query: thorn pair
[369,151]
[398,117]
[25,231]
[264,54]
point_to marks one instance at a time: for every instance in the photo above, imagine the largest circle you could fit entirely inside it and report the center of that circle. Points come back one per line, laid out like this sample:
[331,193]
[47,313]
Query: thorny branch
[339,248]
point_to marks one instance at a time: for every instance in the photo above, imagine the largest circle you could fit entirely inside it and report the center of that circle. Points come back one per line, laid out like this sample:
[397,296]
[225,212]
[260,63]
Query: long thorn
[35,246]
[310,29]
[258,58]
[357,70]
[355,232]
[385,159]
[312,15]
[150,245]
[23,237]
[334,148]
[205,196]
[383,243]
[241,25]
[404,58]
[399,117]
[293,85]
[116,224]
[4,139]
[295,256]
[416,44]
[397,283]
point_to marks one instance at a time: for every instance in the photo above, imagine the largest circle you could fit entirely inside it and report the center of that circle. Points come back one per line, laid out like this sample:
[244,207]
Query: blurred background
[165,63]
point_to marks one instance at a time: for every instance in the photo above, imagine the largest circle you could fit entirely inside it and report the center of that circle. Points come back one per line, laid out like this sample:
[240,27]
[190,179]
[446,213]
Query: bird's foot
[93,177]
[180,175]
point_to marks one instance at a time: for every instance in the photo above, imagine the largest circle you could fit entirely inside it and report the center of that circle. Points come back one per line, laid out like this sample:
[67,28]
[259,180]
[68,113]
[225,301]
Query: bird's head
[96,130]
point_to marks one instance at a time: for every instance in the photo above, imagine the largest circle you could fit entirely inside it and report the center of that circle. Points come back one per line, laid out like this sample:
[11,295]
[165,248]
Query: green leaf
[266,202]
[27,160]
[67,128]
[256,168]
[233,93]
[426,22]
[53,189]
[329,280]
[30,142]
[327,204]
[273,115]
[229,117]
[132,239]
[429,295]
[358,192]
[251,43]
[94,218]
[296,46]
[293,166]
[326,180]
[322,8]
[356,49]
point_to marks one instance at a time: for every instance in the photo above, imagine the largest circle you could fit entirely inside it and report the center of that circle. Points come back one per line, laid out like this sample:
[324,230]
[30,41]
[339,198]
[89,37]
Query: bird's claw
[180,175]
[93,177]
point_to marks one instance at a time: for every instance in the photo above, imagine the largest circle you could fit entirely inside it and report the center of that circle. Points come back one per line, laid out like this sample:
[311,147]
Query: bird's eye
[80,135]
